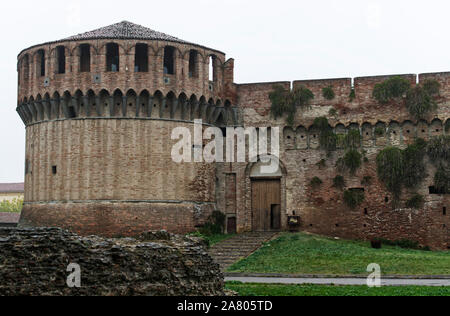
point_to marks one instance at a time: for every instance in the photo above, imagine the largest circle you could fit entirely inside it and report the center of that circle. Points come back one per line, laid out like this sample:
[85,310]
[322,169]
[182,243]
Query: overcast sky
[270,40]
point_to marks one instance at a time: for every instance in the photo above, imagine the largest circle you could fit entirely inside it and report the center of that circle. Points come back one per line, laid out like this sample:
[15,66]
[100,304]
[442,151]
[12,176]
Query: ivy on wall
[286,102]
[398,168]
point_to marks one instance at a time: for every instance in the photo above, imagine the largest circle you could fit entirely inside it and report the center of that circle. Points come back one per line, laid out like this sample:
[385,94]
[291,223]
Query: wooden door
[266,205]
[231,225]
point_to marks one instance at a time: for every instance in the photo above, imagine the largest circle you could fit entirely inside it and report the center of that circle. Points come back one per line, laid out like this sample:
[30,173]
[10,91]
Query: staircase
[232,250]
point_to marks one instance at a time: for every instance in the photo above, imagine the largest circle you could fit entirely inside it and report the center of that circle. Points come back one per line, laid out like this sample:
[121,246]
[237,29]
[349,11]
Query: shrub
[419,102]
[286,101]
[316,182]
[403,243]
[353,139]
[442,179]
[414,169]
[390,89]
[333,113]
[339,182]
[328,139]
[432,87]
[397,168]
[215,224]
[328,93]
[352,95]
[14,206]
[438,149]
[352,160]
[416,202]
[390,169]
[379,131]
[354,198]
[447,126]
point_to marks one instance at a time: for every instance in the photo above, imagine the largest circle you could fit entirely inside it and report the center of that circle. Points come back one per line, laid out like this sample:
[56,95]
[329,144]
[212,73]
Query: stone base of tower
[118,218]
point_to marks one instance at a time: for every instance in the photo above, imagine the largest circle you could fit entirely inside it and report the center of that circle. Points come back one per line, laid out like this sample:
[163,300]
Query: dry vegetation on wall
[286,101]
[420,100]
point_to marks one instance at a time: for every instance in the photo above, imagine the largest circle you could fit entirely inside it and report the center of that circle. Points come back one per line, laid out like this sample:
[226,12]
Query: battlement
[342,87]
[363,86]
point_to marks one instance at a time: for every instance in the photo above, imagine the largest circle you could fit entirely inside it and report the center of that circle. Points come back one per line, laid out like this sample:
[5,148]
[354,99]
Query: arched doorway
[266,197]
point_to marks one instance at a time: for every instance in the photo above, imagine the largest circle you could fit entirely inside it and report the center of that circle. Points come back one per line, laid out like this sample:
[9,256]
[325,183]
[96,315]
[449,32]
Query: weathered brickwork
[98,153]
[323,210]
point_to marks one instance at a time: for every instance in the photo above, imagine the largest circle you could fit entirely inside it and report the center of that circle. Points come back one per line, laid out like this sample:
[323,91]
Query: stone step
[230,251]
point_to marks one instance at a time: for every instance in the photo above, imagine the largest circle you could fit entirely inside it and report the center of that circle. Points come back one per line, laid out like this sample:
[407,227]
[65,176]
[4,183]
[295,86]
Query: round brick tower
[99,110]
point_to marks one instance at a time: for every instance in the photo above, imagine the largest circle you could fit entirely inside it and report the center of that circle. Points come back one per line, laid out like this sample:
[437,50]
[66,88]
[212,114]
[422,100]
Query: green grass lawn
[324,290]
[307,254]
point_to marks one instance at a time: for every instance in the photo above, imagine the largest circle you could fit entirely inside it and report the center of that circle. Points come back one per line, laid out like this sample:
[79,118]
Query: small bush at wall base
[354,198]
[328,93]
[403,243]
[215,224]
[416,202]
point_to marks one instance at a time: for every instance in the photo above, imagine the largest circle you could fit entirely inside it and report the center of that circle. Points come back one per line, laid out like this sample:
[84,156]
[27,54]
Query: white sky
[276,40]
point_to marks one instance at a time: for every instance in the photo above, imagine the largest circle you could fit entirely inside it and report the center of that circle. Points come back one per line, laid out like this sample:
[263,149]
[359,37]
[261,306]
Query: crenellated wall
[98,153]
[323,210]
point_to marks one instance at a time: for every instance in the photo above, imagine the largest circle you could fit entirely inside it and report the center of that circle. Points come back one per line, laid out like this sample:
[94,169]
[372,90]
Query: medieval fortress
[99,110]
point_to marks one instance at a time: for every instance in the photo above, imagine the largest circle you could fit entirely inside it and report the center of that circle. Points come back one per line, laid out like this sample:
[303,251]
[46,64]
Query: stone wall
[113,177]
[323,211]
[35,261]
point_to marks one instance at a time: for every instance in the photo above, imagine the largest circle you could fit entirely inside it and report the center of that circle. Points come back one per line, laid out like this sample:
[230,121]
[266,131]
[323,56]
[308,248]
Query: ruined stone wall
[35,262]
[323,210]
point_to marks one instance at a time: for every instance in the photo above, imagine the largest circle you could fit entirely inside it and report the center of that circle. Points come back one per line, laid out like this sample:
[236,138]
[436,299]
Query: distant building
[11,191]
